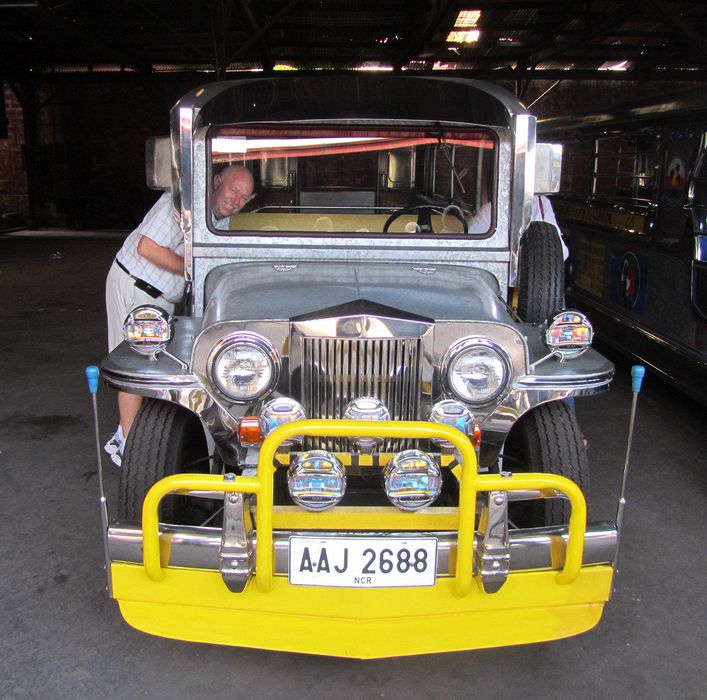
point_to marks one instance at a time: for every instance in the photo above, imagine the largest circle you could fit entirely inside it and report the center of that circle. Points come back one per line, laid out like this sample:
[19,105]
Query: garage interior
[85,84]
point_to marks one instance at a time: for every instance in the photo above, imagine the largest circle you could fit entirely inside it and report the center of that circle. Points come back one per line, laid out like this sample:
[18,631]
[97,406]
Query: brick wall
[89,155]
[13,179]
[106,149]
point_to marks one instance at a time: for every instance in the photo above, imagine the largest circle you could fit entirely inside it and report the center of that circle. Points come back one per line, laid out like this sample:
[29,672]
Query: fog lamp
[412,479]
[279,411]
[316,480]
[454,413]
[366,408]
[568,333]
[148,329]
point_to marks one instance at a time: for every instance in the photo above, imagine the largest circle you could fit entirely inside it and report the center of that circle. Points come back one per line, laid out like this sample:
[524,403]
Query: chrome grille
[337,370]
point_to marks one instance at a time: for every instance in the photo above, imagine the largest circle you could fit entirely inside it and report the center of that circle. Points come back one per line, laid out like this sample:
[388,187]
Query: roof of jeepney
[351,97]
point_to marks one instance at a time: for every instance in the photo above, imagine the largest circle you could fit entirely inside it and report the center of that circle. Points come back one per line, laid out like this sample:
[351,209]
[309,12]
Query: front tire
[165,439]
[547,439]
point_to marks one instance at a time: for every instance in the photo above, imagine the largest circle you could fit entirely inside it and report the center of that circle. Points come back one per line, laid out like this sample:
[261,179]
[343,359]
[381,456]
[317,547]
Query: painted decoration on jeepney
[589,258]
[629,281]
[674,184]
[631,222]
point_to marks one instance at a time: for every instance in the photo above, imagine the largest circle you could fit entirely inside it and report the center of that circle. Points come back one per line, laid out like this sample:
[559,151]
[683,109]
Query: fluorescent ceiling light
[243,145]
[467,18]
[616,65]
[467,36]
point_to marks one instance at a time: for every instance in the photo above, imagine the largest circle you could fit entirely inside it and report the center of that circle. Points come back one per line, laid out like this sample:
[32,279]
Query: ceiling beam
[670,14]
[597,28]
[76,35]
[427,29]
[261,32]
[489,74]
[182,37]
[266,57]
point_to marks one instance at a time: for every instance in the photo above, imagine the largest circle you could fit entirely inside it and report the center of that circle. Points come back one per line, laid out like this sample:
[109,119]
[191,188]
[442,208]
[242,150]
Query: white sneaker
[115,446]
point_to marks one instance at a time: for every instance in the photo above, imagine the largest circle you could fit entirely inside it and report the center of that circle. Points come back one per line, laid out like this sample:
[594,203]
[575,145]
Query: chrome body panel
[553,380]
[523,169]
[199,547]
[254,291]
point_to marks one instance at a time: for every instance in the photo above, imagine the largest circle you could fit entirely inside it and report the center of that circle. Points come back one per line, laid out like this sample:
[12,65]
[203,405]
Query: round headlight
[477,370]
[244,366]
[568,333]
[316,480]
[413,480]
[148,329]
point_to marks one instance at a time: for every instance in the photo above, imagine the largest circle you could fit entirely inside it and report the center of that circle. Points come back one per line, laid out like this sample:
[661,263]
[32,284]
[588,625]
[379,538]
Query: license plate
[363,562]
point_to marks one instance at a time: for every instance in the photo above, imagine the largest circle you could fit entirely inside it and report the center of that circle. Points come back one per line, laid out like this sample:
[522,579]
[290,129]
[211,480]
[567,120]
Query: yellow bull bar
[262,485]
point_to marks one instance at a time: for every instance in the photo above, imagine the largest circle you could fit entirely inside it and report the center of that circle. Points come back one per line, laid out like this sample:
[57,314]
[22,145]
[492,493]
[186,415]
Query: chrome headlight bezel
[412,480]
[251,340]
[454,413]
[366,408]
[464,346]
[316,480]
[279,411]
[145,315]
[568,320]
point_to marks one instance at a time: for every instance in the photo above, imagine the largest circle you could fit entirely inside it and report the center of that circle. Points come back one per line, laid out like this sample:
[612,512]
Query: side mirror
[548,167]
[158,163]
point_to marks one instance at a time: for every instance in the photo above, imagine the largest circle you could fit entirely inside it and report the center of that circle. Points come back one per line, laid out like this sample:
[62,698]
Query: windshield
[353,181]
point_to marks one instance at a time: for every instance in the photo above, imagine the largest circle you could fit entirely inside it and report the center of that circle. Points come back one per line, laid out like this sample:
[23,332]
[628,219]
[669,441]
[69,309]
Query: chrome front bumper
[199,547]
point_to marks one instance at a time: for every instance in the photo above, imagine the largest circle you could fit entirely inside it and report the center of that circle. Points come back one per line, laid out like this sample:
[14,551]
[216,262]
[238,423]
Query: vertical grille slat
[337,370]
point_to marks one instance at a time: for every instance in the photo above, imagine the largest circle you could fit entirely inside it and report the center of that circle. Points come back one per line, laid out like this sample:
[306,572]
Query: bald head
[232,189]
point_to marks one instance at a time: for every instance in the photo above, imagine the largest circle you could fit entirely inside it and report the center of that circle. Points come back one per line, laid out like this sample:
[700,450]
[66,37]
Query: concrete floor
[63,638]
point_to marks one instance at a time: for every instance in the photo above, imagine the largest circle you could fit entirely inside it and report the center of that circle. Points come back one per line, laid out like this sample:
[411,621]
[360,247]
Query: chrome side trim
[199,547]
[522,194]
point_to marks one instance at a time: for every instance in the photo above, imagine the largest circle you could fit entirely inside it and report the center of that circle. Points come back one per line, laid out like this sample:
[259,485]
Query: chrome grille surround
[346,358]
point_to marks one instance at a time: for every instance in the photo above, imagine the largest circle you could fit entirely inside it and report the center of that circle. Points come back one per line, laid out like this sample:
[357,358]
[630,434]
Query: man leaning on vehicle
[149,269]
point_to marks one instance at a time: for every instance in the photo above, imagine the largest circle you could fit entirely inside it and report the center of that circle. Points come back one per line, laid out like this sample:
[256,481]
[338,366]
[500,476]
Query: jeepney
[355,438]
[633,210]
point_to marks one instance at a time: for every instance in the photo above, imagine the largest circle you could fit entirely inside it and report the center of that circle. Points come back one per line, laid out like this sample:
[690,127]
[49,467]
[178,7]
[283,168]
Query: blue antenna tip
[92,377]
[637,374]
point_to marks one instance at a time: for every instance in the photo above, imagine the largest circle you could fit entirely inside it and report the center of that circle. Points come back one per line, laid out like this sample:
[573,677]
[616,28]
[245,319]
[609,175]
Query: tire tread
[541,273]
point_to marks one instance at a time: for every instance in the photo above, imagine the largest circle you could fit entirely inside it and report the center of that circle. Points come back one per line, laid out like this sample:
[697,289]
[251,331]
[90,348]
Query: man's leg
[128,406]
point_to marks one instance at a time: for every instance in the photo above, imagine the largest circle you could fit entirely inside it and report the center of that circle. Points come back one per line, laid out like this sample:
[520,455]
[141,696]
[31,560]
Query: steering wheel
[424,218]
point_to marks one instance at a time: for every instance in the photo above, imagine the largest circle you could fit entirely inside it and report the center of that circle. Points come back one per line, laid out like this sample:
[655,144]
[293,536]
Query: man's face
[231,192]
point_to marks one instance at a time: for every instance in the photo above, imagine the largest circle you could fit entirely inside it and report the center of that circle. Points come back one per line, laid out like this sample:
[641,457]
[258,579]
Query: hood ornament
[284,268]
[425,270]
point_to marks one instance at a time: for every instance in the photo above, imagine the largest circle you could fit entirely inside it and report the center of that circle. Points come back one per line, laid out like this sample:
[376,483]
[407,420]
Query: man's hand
[160,256]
